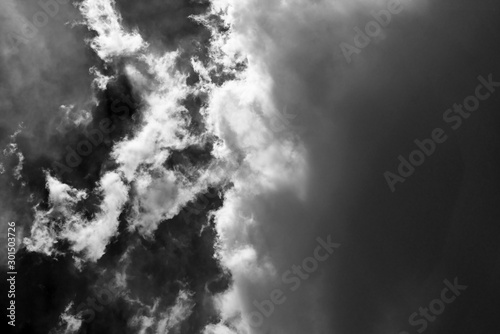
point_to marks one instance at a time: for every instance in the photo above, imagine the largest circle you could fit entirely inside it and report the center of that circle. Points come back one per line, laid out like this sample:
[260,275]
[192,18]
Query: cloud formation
[237,134]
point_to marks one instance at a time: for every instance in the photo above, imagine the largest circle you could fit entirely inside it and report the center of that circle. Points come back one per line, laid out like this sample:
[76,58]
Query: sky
[250,166]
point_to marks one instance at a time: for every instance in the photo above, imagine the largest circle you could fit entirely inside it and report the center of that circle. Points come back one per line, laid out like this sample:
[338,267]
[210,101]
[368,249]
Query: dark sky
[240,136]
[441,223]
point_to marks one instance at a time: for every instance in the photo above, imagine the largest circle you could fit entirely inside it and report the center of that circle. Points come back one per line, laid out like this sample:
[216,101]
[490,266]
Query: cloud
[92,237]
[280,202]
[290,134]
[168,320]
[112,39]
[68,323]
[62,222]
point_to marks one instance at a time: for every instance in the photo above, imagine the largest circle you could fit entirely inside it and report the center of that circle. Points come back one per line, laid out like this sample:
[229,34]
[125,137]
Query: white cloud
[92,237]
[112,38]
[61,222]
[68,323]
[165,321]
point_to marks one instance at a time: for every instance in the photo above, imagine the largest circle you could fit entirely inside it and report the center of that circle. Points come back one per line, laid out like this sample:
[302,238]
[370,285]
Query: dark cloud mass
[221,166]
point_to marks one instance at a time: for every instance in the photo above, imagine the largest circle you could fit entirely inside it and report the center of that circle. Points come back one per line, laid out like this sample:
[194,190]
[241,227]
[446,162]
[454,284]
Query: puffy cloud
[93,237]
[62,222]
[112,39]
[68,323]
[170,319]
[44,231]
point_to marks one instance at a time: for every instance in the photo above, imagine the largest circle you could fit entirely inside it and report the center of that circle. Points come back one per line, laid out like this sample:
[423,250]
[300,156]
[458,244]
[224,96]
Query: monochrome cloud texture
[237,133]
